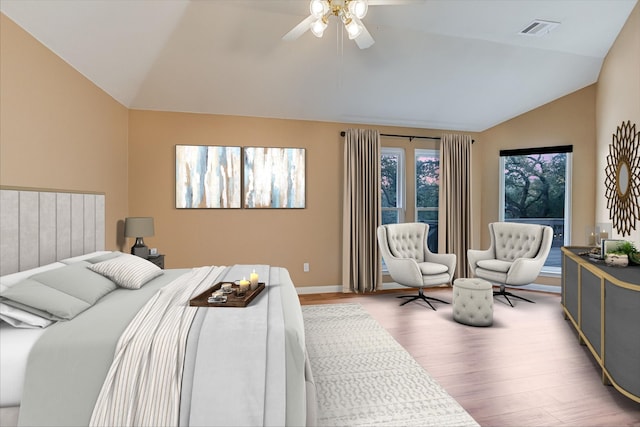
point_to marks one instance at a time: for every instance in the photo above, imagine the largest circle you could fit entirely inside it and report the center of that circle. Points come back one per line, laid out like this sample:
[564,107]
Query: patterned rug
[365,378]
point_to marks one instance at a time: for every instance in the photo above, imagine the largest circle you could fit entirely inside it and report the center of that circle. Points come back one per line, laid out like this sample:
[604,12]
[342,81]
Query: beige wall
[284,237]
[617,100]
[61,131]
[569,120]
[58,130]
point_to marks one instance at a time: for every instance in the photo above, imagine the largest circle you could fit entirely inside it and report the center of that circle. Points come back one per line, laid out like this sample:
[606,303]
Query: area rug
[365,378]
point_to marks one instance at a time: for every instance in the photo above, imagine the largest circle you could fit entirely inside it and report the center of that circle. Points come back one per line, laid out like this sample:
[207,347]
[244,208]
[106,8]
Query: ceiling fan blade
[393,2]
[299,29]
[364,40]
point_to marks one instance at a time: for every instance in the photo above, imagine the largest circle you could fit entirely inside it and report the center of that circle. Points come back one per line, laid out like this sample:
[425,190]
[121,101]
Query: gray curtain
[455,200]
[361,266]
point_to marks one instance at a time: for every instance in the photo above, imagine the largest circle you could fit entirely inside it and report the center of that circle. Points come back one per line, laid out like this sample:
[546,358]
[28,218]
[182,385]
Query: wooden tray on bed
[232,299]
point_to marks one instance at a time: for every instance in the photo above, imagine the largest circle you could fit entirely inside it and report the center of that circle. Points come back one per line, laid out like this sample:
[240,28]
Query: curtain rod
[411,137]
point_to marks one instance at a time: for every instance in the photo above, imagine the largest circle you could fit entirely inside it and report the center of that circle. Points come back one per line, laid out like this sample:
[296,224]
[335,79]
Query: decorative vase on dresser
[616,260]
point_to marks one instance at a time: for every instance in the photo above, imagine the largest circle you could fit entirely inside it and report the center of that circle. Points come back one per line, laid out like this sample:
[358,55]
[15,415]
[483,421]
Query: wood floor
[528,369]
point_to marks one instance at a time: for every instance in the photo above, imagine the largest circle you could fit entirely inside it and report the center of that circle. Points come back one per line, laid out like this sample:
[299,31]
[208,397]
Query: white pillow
[128,271]
[14,316]
[22,319]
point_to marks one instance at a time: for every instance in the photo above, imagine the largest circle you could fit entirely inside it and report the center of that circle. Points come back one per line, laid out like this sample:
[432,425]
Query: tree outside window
[535,190]
[535,186]
[392,185]
[427,192]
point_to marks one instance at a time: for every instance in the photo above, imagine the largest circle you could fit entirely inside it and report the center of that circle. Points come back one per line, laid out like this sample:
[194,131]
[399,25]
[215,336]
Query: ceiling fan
[350,13]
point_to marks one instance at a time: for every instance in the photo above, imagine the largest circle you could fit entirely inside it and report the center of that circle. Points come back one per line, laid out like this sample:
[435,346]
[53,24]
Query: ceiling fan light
[358,8]
[353,29]
[318,7]
[318,27]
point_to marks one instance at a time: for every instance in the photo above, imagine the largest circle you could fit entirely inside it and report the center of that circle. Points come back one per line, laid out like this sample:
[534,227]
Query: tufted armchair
[516,256]
[409,261]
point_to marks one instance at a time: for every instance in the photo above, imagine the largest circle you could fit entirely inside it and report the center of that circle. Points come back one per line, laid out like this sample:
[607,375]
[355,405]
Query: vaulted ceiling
[444,64]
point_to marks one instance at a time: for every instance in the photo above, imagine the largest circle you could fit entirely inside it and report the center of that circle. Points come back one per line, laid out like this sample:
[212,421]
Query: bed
[119,344]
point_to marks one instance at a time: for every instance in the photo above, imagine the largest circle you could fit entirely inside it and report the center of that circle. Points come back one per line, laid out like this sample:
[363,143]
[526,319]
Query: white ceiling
[443,64]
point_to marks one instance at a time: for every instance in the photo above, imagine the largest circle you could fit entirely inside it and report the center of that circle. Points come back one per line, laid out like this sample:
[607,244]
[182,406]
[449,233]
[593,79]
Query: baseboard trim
[541,288]
[318,289]
[304,290]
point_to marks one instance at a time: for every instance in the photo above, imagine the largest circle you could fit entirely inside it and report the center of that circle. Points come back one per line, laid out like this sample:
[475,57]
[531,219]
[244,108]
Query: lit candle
[592,239]
[254,280]
[244,285]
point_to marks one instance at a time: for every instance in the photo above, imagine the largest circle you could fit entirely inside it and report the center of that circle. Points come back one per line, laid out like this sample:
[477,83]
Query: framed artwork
[274,177]
[208,176]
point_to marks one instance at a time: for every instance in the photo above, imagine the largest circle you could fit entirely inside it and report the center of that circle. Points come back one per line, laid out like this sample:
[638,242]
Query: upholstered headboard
[38,227]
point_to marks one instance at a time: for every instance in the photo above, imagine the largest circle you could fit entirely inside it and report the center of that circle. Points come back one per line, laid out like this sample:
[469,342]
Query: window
[535,187]
[427,192]
[392,185]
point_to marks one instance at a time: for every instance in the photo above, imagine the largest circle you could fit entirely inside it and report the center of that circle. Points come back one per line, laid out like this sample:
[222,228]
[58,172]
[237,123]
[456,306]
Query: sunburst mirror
[623,178]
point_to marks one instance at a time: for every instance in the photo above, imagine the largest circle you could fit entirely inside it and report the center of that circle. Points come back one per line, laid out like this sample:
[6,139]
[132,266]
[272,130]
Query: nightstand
[157,260]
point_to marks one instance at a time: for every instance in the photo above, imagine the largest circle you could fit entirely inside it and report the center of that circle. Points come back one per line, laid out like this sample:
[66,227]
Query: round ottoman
[472,302]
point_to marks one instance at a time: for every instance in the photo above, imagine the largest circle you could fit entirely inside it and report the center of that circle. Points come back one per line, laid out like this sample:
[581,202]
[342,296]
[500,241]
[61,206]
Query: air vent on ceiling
[539,28]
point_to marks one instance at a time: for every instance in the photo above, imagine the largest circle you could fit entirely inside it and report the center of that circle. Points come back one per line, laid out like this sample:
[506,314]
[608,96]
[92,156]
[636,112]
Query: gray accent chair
[411,263]
[517,254]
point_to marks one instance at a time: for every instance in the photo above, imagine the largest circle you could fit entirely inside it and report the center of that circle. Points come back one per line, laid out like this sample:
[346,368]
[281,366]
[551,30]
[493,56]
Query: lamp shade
[138,227]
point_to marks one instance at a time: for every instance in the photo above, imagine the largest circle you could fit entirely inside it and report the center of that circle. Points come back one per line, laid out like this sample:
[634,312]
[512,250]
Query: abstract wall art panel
[274,177]
[208,176]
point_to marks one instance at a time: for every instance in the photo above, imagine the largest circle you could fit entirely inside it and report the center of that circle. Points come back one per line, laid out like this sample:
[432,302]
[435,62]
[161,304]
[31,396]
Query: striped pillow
[128,271]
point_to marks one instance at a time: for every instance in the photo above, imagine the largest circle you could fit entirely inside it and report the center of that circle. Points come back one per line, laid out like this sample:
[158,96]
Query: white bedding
[15,345]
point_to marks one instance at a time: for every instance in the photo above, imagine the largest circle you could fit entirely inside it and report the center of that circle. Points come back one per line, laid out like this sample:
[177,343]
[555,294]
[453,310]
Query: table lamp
[139,227]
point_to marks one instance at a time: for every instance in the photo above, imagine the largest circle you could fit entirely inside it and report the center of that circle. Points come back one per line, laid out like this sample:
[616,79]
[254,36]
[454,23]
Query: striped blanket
[144,382]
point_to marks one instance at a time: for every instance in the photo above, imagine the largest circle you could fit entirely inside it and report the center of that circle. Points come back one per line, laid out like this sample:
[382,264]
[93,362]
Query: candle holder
[604,232]
[592,235]
[243,287]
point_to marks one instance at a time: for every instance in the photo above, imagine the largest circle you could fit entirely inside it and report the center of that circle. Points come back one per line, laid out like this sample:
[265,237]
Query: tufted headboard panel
[515,240]
[38,227]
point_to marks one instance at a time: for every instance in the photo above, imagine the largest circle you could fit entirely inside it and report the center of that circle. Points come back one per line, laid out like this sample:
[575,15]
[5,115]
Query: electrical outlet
[305,267]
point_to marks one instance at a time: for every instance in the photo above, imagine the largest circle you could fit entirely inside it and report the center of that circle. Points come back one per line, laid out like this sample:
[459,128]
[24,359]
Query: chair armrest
[475,255]
[524,270]
[405,271]
[447,259]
